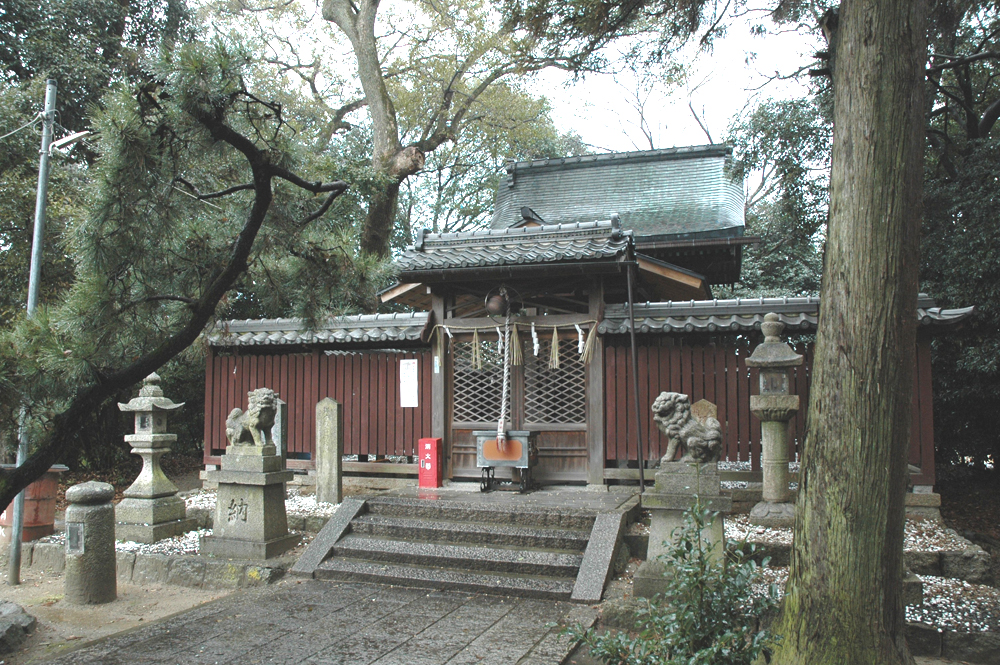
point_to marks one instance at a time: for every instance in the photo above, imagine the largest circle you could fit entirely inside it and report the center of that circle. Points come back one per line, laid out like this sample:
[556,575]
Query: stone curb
[186,570]
[981,647]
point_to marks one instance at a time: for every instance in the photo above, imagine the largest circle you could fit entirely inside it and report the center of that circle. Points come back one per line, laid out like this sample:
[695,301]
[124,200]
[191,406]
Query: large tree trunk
[844,602]
[389,157]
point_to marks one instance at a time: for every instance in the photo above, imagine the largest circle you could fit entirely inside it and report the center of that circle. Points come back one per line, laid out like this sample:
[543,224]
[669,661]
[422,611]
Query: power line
[24,126]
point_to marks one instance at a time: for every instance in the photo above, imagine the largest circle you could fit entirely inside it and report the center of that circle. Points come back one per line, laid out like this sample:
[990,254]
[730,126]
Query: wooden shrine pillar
[439,388]
[595,391]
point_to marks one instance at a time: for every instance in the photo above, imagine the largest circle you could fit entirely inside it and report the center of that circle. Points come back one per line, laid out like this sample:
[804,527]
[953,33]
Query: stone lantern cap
[773,352]
[150,398]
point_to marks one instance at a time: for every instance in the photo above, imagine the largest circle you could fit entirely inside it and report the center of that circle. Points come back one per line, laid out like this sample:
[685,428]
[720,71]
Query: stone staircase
[530,551]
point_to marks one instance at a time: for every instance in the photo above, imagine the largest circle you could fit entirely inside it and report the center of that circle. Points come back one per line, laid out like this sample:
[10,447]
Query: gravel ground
[920,535]
[948,603]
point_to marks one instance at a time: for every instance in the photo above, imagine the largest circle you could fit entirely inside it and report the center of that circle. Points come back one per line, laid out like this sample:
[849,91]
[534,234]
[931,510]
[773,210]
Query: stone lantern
[151,509]
[774,406]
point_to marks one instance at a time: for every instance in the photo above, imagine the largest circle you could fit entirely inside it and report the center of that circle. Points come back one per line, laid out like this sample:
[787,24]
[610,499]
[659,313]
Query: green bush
[710,613]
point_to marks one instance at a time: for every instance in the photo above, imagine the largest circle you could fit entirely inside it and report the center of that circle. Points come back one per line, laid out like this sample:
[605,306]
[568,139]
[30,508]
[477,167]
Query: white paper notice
[409,386]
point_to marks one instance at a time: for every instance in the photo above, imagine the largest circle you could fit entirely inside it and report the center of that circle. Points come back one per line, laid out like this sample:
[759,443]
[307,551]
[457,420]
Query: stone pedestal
[151,509]
[674,492]
[90,574]
[250,520]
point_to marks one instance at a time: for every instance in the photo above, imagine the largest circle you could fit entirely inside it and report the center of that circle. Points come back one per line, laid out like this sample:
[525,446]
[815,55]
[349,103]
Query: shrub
[710,613]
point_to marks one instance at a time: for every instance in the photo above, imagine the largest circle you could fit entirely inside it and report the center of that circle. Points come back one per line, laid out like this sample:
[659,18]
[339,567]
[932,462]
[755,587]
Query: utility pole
[34,279]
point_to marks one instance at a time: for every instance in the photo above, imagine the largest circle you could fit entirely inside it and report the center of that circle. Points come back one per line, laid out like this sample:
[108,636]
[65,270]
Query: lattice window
[554,396]
[477,391]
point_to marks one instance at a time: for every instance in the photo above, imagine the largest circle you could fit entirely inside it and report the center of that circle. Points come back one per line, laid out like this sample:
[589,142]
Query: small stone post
[329,451]
[775,407]
[151,509]
[90,574]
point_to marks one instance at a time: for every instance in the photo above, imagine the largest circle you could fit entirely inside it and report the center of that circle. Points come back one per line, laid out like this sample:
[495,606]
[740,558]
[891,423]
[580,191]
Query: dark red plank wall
[715,369]
[365,382]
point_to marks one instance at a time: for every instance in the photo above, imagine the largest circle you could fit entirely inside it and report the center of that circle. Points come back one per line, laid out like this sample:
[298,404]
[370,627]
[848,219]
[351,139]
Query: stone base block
[650,579]
[771,514]
[233,548]
[253,463]
[685,478]
[681,502]
[150,511]
[913,589]
[151,533]
[664,524]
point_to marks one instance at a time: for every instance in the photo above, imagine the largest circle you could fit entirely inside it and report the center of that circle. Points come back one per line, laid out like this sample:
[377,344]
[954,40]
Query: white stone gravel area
[187,543]
[919,535]
[295,503]
[949,604]
[957,605]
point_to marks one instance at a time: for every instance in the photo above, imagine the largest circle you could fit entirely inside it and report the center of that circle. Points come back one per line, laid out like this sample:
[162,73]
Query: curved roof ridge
[635,155]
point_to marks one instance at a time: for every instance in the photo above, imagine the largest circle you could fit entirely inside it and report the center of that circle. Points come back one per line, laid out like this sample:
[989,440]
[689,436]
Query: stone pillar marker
[151,509]
[250,518]
[774,406]
[90,574]
[680,483]
[329,451]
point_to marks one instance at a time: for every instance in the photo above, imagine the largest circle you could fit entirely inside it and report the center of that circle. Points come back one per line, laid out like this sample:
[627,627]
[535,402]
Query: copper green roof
[679,192]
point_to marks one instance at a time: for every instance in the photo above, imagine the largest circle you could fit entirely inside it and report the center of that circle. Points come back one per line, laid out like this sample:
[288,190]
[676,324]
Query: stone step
[443,531]
[354,570]
[465,512]
[460,557]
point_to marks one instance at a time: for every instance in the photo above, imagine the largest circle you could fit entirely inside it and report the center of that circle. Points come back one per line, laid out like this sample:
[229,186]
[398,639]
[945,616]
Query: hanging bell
[496,305]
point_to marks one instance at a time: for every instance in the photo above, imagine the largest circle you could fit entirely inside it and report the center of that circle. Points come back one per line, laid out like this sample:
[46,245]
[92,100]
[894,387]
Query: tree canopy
[192,163]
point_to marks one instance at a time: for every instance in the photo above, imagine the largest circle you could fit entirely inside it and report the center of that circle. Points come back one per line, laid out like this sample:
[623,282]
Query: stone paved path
[331,623]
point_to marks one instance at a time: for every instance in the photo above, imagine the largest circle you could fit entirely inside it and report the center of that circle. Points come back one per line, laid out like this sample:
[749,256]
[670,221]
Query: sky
[721,84]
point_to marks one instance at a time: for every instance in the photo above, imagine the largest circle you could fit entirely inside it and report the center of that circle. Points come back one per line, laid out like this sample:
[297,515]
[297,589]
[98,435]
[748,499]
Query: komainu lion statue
[700,442]
[253,426]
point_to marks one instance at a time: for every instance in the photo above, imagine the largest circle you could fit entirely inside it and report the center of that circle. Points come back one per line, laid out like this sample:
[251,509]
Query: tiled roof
[671,192]
[346,329]
[744,314]
[535,245]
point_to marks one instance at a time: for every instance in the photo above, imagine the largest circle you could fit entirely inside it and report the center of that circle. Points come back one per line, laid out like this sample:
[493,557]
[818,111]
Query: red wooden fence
[715,369]
[365,382]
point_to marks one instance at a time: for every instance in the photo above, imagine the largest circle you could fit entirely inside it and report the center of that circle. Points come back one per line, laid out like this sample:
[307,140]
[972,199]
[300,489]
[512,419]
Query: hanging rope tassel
[505,391]
[516,357]
[554,355]
[588,349]
[477,353]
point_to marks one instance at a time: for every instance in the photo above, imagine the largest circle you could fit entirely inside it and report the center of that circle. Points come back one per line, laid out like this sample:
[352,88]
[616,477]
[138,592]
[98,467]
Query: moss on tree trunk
[844,603]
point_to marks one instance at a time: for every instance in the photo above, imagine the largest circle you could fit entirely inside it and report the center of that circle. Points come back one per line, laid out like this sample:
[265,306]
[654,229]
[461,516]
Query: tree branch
[322,209]
[960,61]
[63,428]
[213,195]
[136,303]
[318,187]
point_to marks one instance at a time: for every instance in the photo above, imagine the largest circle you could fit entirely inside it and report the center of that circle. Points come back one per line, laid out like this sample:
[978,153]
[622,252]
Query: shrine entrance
[548,395]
